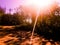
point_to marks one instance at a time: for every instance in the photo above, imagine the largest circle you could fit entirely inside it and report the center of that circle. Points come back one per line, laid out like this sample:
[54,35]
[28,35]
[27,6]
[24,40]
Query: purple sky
[13,3]
[10,4]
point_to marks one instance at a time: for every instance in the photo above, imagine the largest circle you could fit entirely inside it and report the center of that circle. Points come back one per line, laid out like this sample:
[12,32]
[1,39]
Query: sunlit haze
[37,5]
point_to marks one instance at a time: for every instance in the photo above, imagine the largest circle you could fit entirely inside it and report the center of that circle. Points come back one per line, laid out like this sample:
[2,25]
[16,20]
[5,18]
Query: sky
[14,3]
[10,4]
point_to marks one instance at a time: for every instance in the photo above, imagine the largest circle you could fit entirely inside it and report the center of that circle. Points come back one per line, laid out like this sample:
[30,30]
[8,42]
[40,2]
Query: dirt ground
[23,38]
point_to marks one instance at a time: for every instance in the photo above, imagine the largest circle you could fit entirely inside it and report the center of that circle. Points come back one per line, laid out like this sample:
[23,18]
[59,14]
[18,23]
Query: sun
[39,3]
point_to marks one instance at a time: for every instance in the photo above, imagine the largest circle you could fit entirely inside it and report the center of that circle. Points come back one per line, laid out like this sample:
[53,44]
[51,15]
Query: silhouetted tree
[2,11]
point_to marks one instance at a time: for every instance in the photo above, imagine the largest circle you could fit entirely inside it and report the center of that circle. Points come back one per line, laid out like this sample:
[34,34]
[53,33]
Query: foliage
[2,11]
[49,27]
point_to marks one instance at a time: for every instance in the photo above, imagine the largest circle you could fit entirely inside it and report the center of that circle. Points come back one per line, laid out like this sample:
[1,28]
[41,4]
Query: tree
[2,11]
[50,25]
